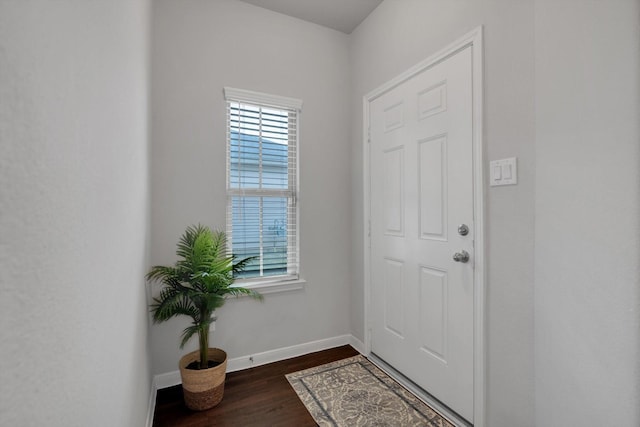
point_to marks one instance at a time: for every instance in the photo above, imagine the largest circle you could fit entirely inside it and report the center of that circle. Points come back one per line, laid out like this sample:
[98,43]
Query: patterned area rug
[354,392]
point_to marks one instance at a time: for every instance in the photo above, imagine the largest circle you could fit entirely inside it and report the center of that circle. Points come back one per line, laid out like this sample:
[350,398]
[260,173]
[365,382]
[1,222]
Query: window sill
[275,286]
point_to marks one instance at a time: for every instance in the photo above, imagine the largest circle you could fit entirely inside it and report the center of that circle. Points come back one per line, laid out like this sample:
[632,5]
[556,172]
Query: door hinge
[369,135]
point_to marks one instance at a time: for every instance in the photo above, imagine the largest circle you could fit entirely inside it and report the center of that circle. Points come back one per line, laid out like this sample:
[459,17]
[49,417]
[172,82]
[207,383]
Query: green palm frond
[162,273]
[199,282]
[214,301]
[196,328]
[186,242]
[187,333]
[239,266]
[171,303]
[218,243]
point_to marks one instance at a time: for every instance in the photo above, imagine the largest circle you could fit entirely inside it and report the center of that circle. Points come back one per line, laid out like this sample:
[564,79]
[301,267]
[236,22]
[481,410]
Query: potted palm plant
[196,286]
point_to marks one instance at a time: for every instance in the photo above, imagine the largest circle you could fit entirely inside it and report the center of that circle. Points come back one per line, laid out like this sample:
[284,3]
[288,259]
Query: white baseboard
[170,379]
[258,359]
[357,344]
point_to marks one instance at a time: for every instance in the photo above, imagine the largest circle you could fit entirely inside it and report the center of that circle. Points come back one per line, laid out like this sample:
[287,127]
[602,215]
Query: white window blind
[262,176]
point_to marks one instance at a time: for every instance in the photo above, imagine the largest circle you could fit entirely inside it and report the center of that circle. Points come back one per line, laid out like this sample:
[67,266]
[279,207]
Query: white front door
[421,191]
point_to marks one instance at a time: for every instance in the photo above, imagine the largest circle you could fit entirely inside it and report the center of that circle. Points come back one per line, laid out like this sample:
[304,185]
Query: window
[262,182]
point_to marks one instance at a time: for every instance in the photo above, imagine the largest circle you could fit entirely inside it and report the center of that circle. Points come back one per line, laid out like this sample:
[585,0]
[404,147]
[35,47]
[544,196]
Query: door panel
[394,191]
[432,296]
[421,174]
[394,290]
[432,170]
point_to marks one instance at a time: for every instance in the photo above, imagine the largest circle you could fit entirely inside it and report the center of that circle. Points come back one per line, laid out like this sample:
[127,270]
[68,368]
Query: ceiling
[341,15]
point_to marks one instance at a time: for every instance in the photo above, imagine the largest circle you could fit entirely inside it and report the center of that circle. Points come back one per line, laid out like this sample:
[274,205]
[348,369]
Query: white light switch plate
[503,172]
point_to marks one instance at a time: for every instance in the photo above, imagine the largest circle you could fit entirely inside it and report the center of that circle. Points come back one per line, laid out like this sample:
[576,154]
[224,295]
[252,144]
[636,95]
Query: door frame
[473,39]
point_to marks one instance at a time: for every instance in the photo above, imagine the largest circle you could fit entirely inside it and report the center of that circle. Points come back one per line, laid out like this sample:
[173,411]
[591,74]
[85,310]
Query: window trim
[251,97]
[282,283]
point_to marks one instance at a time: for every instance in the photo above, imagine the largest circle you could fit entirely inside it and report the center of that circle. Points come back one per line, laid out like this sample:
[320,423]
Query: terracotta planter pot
[203,389]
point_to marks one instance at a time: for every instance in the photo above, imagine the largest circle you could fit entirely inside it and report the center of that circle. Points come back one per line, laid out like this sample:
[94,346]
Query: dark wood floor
[258,396]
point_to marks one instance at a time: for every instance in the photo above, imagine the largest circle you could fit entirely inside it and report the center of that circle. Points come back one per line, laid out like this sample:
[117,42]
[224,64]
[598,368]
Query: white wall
[73,213]
[200,46]
[397,35]
[587,297]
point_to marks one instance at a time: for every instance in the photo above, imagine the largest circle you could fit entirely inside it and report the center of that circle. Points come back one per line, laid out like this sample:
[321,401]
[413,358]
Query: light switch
[503,172]
[507,171]
[497,172]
